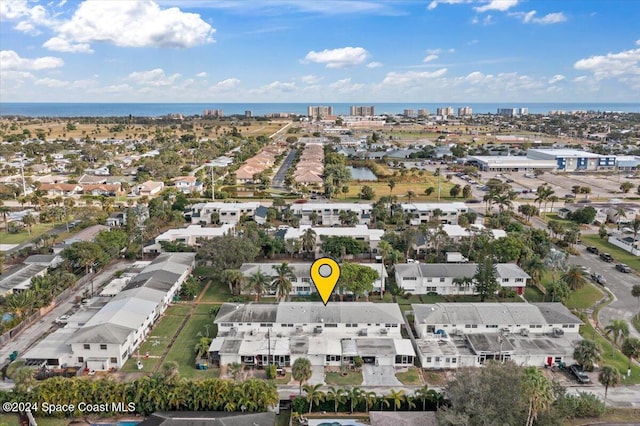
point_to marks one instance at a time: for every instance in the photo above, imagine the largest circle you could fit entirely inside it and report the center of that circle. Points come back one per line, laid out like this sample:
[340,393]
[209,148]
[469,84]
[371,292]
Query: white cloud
[530,17]
[29,18]
[339,58]
[409,77]
[310,79]
[155,77]
[61,45]
[10,60]
[556,78]
[345,86]
[227,84]
[500,5]
[434,51]
[623,66]
[435,3]
[477,77]
[374,64]
[430,58]
[140,23]
[51,82]
[485,21]
[201,74]
[279,86]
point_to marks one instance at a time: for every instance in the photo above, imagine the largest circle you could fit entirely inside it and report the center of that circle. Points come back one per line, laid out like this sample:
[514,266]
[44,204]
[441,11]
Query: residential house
[454,335]
[60,189]
[419,213]
[117,219]
[149,188]
[255,334]
[328,214]
[187,184]
[443,278]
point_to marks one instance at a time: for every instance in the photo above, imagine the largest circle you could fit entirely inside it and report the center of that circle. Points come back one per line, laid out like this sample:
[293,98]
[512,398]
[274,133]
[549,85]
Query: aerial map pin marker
[325,273]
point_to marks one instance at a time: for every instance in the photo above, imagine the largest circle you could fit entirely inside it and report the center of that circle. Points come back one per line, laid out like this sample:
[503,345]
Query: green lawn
[615,358]
[283,380]
[533,295]
[217,293]
[22,236]
[204,309]
[182,350]
[618,254]
[352,378]
[409,377]
[585,297]
[12,420]
[178,310]
[167,326]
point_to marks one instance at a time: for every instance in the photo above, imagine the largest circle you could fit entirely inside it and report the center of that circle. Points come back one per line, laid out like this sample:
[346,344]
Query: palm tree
[620,213]
[4,211]
[370,398]
[235,280]
[301,371]
[314,394]
[618,328]
[635,227]
[391,184]
[338,396]
[423,393]
[538,390]
[535,267]
[631,349]
[574,277]
[258,283]
[29,220]
[609,377]
[309,240]
[635,292]
[587,354]
[283,280]
[24,379]
[314,217]
[396,398]
[410,195]
[354,394]
[202,347]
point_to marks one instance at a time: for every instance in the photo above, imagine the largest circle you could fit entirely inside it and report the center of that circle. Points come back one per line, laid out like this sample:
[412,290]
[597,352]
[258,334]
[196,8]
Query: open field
[401,188]
[120,128]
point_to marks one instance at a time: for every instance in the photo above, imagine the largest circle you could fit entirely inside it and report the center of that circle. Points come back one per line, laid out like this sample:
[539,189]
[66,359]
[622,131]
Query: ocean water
[260,109]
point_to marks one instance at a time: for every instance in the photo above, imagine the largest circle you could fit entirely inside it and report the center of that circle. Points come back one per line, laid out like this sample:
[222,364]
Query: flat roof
[566,152]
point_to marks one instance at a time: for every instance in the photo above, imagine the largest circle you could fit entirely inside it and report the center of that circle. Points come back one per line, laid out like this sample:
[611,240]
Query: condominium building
[329,214]
[425,212]
[465,112]
[445,111]
[314,111]
[362,111]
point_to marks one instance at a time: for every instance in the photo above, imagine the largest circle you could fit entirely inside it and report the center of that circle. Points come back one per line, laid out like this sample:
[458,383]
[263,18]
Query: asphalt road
[278,178]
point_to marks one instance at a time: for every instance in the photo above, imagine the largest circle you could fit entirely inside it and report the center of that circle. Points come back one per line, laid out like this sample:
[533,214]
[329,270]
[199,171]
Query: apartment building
[224,213]
[362,111]
[189,236]
[328,214]
[255,334]
[314,111]
[372,237]
[441,278]
[448,213]
[454,335]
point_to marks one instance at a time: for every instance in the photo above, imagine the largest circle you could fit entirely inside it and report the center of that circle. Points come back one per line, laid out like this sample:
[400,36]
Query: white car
[62,319]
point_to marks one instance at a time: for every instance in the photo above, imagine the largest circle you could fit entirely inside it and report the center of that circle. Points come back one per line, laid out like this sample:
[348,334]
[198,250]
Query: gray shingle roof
[101,333]
[557,313]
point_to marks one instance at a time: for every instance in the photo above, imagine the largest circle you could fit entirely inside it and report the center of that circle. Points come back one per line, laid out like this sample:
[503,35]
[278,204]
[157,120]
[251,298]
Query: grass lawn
[283,380]
[612,416]
[352,378]
[474,298]
[203,309]
[205,271]
[409,377]
[22,236]
[182,350]
[553,216]
[585,297]
[533,295]
[386,298]
[12,420]
[167,326]
[418,184]
[14,366]
[178,310]
[217,293]
[615,358]
[618,254]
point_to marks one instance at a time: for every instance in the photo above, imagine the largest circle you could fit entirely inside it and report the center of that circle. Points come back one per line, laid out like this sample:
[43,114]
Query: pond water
[362,173]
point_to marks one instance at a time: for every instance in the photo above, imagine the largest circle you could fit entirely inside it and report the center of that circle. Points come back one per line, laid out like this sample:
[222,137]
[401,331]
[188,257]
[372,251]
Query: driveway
[317,375]
[380,375]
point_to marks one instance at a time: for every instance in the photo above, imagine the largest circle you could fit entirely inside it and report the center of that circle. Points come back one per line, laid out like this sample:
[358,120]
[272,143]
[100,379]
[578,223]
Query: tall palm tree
[391,184]
[553,199]
[338,396]
[609,377]
[538,390]
[618,328]
[574,277]
[29,220]
[635,227]
[631,349]
[258,283]
[285,274]
[354,394]
[314,394]
[309,240]
[620,213]
[587,353]
[410,195]
[423,393]
[314,217]
[370,399]
[535,267]
[4,211]
[396,398]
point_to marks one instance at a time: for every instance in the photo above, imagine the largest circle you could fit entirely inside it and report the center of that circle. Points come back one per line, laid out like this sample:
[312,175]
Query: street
[278,178]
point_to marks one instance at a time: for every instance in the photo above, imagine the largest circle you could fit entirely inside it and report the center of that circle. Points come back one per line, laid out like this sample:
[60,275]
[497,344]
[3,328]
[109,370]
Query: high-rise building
[513,112]
[445,111]
[362,111]
[217,113]
[319,111]
[409,113]
[423,112]
[465,112]
[248,113]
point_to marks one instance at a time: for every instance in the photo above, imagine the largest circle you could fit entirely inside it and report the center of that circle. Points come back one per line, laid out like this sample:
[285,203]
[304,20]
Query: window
[331,325]
[519,280]
[333,358]
[429,280]
[103,347]
[428,359]
[266,324]
[453,360]
[352,325]
[505,280]
[432,288]
[491,326]
[286,325]
[226,324]
[86,346]
[409,278]
[437,359]
[447,360]
[467,326]
[80,359]
[113,360]
[441,280]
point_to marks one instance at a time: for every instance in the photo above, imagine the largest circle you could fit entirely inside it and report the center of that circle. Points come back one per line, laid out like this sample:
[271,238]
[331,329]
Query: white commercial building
[573,159]
[301,283]
[488,163]
[333,335]
[453,335]
[328,214]
[441,278]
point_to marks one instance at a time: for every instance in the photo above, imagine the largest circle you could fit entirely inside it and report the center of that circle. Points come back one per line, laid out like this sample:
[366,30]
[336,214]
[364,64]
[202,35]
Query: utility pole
[213,186]
[24,183]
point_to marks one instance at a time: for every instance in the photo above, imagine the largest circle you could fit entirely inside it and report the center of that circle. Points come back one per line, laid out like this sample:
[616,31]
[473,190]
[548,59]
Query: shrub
[357,361]
[271,371]
[582,405]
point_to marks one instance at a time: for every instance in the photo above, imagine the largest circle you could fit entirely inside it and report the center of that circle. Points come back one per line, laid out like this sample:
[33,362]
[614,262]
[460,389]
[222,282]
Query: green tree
[609,377]
[423,394]
[429,190]
[455,190]
[538,391]
[486,277]
[354,395]
[635,292]
[314,394]
[618,329]
[358,279]
[309,240]
[391,184]
[29,220]
[574,277]
[367,193]
[227,252]
[602,231]
[234,278]
[285,274]
[626,186]
[631,349]
[337,396]
[467,192]
[587,353]
[559,291]
[301,371]
[410,195]
[258,283]
[202,347]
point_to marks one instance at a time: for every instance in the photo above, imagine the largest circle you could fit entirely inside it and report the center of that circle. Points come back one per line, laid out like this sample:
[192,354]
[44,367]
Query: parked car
[606,257]
[510,181]
[598,279]
[623,268]
[593,250]
[579,374]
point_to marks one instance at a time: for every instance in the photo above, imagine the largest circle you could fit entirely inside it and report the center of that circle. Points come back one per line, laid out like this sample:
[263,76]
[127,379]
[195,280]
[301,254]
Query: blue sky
[320,51]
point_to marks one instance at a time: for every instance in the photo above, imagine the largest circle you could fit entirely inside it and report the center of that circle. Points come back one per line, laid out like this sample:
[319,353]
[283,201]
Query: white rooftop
[354,231]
